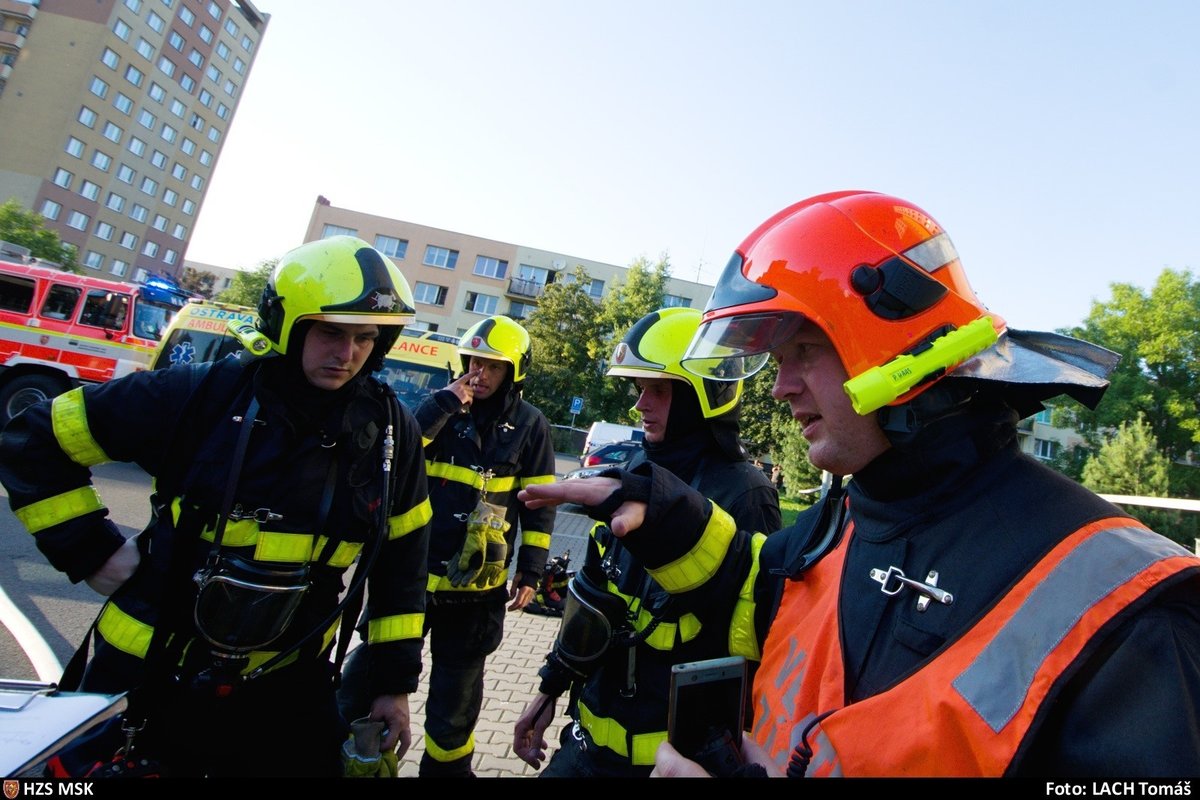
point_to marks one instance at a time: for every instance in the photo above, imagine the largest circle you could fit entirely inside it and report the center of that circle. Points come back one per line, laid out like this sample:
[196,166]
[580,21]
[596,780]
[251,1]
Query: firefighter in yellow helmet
[483,445]
[273,474]
[956,608]
[690,427]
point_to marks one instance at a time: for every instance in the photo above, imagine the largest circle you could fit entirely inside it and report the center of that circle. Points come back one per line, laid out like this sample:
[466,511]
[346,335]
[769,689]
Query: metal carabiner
[897,579]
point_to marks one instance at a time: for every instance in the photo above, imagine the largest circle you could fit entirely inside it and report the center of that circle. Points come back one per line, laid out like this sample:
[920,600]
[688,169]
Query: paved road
[60,614]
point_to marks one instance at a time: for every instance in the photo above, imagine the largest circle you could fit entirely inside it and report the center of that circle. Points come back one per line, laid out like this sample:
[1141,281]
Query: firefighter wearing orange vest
[956,608]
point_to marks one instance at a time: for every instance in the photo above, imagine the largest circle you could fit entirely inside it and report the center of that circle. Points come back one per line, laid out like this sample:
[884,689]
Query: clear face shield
[734,348]
[242,606]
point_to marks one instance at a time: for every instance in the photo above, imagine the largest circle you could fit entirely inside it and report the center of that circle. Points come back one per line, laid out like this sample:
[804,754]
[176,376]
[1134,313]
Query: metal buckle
[259,515]
[892,581]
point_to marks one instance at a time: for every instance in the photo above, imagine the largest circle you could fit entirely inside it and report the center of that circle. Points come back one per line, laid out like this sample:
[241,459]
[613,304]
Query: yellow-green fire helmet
[498,338]
[653,348]
[339,279]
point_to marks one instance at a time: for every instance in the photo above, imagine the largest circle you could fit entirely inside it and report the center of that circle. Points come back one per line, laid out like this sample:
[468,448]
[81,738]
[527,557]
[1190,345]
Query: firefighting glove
[481,559]
[361,756]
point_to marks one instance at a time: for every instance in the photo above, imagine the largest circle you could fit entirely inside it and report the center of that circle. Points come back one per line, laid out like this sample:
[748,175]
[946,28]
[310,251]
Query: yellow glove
[481,559]
[361,757]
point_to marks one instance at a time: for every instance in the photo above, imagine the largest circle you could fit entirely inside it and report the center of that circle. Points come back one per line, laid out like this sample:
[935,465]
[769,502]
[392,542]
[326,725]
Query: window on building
[168,133]
[121,29]
[430,293]
[87,117]
[214,10]
[128,241]
[158,159]
[1043,416]
[196,121]
[187,82]
[186,16]
[51,209]
[231,28]
[187,146]
[149,185]
[101,160]
[136,146]
[134,5]
[74,147]
[98,88]
[481,303]
[170,196]
[223,51]
[126,174]
[110,59]
[179,231]
[78,220]
[171,256]
[177,107]
[337,230]
[146,119]
[176,41]
[231,88]
[1045,449]
[490,267]
[214,135]
[112,132]
[115,202]
[676,301]
[155,22]
[104,231]
[188,207]
[156,92]
[63,178]
[206,158]
[521,310]
[206,98]
[391,246]
[178,171]
[145,49]
[150,249]
[595,287]
[160,222]
[90,190]
[247,44]
[166,66]
[134,75]
[122,103]
[93,260]
[206,34]
[213,74]
[239,66]
[119,268]
[223,111]
[139,213]
[196,57]
[440,257]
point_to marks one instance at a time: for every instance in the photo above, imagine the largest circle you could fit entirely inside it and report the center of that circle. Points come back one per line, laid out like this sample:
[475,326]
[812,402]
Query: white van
[602,432]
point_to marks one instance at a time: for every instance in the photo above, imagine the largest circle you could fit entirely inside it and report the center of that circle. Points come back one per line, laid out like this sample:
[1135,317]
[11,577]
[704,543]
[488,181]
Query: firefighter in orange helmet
[961,608]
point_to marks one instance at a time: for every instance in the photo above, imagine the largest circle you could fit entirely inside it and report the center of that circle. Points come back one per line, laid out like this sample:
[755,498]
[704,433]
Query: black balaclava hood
[689,436]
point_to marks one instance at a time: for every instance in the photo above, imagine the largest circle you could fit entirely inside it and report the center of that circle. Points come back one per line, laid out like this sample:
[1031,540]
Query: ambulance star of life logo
[476,341]
[619,355]
[44,339]
[385,300]
[12,789]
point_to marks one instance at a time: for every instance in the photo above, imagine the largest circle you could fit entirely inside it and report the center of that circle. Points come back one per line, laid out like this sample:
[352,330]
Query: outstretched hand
[628,517]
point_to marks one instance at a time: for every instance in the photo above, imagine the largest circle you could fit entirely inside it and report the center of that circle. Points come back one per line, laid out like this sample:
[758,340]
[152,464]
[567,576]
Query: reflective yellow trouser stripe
[701,562]
[439,754]
[127,634]
[395,628]
[532,480]
[743,640]
[69,419]
[535,539]
[451,472]
[607,732]
[410,520]
[60,508]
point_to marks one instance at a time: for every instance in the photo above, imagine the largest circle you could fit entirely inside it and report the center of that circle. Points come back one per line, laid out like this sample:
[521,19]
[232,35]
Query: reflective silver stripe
[932,254]
[996,683]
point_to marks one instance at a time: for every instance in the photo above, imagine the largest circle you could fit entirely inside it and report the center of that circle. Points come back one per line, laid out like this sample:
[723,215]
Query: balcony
[21,11]
[524,288]
[11,40]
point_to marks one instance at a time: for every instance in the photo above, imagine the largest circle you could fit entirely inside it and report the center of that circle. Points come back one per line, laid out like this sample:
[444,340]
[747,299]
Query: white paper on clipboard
[45,722]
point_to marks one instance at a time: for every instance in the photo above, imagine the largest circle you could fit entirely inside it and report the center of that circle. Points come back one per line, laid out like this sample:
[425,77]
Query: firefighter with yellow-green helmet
[484,443]
[273,474]
[619,690]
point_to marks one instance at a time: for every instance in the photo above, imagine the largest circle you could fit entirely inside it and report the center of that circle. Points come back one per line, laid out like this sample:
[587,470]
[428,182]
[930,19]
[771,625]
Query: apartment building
[112,118]
[457,279]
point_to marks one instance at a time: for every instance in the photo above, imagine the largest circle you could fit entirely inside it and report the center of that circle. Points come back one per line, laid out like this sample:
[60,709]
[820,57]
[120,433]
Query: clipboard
[37,720]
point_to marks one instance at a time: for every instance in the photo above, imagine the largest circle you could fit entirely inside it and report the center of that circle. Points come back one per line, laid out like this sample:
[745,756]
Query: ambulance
[61,329]
[421,362]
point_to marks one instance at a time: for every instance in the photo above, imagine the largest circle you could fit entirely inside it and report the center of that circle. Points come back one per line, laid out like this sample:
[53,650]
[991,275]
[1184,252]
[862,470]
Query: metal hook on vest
[260,515]
[892,581]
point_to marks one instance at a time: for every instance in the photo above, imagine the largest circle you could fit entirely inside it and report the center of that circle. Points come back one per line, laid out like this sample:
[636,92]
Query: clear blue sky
[1055,141]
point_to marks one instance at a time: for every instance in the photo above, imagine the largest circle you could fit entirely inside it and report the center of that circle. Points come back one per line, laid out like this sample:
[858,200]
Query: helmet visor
[734,348]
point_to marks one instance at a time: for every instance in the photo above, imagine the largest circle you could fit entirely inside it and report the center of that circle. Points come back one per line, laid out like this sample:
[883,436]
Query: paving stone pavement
[509,683]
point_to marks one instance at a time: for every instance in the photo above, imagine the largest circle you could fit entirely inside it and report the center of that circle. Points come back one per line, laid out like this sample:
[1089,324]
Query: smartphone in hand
[706,711]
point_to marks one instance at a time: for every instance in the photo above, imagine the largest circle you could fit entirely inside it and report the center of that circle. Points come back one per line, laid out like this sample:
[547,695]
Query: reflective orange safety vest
[969,708]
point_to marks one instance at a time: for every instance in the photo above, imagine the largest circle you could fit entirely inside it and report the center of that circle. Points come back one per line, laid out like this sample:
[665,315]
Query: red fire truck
[59,329]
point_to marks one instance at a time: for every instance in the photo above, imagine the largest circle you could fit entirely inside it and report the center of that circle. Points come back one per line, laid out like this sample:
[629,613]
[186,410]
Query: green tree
[565,334]
[247,285]
[1129,463]
[26,228]
[1158,335]
[198,281]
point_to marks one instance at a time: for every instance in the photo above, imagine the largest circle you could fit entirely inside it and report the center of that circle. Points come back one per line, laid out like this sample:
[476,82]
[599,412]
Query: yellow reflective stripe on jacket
[124,632]
[533,480]
[607,732]
[343,555]
[69,418]
[60,508]
[743,640]
[702,561]
[472,478]
[425,442]
[440,583]
[536,539]
[438,753]
[291,548]
[410,520]
[395,628]
[260,657]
